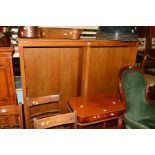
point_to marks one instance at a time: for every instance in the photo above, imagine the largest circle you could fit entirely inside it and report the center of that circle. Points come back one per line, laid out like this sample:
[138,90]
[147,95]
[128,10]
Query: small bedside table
[98,108]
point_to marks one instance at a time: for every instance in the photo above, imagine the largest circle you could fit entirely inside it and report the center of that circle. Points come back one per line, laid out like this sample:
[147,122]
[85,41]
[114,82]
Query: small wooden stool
[98,108]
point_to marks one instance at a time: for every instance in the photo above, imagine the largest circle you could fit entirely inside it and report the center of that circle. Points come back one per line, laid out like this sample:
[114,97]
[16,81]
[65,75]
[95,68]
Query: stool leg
[120,123]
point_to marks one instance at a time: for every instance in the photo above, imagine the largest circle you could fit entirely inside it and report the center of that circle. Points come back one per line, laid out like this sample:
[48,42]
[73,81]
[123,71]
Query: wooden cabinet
[7,87]
[72,67]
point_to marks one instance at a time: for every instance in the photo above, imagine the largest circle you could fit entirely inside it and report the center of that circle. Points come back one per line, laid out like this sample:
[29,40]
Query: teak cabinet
[72,67]
[7,87]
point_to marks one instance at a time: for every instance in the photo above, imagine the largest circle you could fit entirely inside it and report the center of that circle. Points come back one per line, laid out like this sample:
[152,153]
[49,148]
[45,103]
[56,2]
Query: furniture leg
[120,122]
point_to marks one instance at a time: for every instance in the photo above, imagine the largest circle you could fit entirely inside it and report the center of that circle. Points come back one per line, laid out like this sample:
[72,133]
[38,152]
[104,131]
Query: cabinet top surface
[26,42]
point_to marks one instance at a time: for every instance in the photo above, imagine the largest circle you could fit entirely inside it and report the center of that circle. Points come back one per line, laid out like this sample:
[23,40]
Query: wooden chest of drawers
[7,87]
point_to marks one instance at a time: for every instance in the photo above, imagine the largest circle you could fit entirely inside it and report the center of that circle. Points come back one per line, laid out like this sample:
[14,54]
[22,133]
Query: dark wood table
[98,108]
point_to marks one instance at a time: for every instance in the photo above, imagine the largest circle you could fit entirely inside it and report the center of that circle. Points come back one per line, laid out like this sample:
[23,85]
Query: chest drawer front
[7,90]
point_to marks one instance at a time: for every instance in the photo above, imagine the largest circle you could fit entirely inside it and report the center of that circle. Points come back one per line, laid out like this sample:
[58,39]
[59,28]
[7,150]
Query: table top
[96,104]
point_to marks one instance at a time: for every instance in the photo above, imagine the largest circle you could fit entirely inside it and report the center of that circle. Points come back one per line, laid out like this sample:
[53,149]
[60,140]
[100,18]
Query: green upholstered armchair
[133,87]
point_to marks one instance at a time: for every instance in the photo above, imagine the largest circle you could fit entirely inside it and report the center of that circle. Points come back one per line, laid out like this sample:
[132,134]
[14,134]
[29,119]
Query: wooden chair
[148,60]
[11,116]
[40,102]
[57,120]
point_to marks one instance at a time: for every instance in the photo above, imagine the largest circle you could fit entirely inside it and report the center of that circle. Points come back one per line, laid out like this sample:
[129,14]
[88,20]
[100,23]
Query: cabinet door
[7,91]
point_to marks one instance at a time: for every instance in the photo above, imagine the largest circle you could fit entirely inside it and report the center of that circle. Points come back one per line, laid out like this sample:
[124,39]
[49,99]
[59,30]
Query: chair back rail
[43,99]
[56,120]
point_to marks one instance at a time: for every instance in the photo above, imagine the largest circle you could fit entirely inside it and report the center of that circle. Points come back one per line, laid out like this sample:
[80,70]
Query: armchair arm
[130,123]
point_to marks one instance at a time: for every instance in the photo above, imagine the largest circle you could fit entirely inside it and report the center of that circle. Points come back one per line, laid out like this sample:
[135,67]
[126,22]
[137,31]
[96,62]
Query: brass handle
[3,110]
[44,123]
[43,33]
[35,102]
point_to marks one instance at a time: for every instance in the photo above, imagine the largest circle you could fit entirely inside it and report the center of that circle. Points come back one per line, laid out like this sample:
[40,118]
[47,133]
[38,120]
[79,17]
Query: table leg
[104,125]
[79,127]
[120,122]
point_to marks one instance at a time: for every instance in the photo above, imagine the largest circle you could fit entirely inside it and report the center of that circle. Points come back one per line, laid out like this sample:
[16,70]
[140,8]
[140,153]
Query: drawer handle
[42,123]
[112,114]
[35,102]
